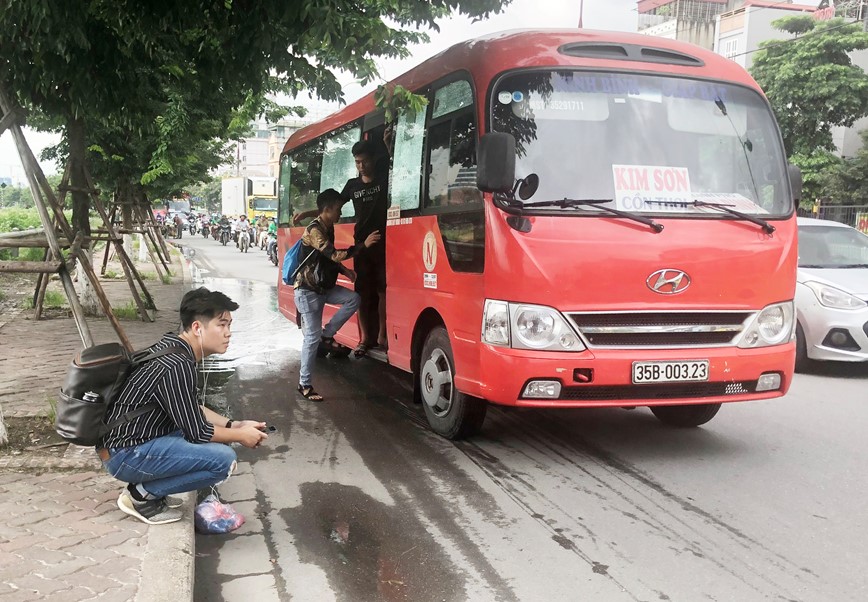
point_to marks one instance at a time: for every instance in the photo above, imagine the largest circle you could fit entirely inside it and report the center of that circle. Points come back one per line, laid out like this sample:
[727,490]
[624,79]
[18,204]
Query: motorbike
[193,227]
[271,248]
[244,240]
[224,234]
[205,230]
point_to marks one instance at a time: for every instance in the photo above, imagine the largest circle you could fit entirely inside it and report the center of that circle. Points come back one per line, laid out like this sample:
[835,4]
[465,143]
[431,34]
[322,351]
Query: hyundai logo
[668,281]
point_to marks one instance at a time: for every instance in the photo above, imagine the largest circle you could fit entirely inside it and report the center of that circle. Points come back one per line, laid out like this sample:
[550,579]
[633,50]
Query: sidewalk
[61,534]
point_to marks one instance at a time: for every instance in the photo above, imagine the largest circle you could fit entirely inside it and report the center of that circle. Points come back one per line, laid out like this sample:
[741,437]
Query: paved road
[354,499]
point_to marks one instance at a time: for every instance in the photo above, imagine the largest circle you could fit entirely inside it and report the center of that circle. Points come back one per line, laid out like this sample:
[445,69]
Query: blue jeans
[171,464]
[310,305]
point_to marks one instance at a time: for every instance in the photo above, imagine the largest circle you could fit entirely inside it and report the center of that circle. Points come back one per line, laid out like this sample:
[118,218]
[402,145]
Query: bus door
[436,226]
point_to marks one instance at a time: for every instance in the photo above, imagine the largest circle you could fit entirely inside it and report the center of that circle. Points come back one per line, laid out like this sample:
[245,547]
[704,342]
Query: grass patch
[2,296]
[111,274]
[147,275]
[52,409]
[130,311]
[53,300]
[167,278]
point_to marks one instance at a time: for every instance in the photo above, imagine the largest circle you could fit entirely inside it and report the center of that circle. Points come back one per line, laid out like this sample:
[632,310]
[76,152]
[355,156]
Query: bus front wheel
[450,412]
[686,416]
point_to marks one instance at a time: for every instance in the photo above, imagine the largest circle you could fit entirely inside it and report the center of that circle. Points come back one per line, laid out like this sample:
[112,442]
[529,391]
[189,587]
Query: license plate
[667,372]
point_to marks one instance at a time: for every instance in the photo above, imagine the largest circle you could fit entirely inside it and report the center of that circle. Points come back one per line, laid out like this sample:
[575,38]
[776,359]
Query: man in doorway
[316,284]
[369,194]
[177,445]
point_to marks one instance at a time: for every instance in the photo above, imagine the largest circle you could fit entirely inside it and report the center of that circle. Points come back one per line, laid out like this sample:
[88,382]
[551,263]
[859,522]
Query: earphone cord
[204,374]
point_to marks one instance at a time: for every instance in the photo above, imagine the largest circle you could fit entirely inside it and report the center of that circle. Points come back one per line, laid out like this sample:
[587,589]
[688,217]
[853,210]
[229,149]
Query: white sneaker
[153,512]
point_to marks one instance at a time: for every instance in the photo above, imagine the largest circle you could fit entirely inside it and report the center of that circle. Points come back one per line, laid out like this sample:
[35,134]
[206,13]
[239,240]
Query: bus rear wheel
[450,412]
[686,416]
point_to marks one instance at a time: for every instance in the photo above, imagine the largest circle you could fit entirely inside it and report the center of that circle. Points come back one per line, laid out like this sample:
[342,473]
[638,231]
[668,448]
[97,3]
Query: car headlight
[829,296]
[772,326]
[523,326]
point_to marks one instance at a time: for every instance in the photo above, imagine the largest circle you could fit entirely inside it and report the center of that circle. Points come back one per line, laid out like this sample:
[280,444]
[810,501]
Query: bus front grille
[660,329]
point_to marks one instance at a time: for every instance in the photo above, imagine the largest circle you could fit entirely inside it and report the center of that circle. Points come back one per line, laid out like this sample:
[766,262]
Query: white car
[831,293]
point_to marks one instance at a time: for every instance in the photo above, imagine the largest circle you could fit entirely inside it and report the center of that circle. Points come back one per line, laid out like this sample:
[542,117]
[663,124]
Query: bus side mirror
[795,182]
[496,165]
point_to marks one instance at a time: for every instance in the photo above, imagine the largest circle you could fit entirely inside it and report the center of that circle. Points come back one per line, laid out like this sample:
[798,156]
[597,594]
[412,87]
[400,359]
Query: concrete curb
[168,568]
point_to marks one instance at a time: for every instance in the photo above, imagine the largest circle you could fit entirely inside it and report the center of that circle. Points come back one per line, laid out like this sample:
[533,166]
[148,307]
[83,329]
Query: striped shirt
[170,381]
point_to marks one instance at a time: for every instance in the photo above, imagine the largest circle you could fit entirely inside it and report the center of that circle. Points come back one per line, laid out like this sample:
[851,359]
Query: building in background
[740,30]
[690,21]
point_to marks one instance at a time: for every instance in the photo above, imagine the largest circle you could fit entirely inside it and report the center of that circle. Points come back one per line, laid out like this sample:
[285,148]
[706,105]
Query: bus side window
[338,164]
[305,170]
[284,210]
[451,191]
[406,178]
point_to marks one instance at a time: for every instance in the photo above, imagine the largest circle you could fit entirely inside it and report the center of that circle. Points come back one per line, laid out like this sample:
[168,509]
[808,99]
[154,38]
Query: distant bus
[176,206]
[578,219]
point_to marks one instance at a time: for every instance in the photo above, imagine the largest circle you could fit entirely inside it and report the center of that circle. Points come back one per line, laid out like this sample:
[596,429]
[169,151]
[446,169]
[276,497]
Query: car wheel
[686,415]
[803,362]
[450,412]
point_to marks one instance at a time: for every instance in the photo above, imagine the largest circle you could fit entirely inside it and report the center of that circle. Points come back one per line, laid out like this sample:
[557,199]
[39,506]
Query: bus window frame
[472,108]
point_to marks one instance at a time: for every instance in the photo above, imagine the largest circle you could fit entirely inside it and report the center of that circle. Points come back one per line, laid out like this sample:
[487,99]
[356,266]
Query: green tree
[847,184]
[813,86]
[172,65]
[209,192]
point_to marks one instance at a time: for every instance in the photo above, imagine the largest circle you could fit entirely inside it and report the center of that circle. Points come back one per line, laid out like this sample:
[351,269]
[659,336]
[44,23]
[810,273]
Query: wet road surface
[354,499]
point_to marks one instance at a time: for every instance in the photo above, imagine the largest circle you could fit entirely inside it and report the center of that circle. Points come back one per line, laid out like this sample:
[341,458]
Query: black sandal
[309,394]
[362,350]
[330,344]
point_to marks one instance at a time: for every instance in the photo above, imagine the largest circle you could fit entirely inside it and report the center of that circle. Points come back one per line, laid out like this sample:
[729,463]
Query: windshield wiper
[721,207]
[567,203]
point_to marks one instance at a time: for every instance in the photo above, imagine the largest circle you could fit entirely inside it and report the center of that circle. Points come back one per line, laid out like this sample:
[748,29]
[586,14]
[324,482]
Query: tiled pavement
[61,534]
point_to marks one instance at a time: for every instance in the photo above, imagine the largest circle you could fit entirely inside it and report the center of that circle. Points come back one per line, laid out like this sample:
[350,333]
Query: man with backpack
[176,446]
[316,284]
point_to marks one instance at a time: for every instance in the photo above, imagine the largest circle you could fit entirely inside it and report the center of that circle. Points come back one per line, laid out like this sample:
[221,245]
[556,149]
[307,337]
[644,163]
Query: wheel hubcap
[436,381]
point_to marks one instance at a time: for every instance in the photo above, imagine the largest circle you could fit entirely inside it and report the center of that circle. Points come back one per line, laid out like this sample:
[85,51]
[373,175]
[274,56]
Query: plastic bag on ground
[214,516]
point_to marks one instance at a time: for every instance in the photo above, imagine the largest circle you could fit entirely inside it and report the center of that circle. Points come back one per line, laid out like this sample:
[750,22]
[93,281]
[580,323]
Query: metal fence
[852,215]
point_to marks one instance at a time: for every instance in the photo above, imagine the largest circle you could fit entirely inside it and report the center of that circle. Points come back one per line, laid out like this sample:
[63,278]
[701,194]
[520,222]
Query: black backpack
[95,380]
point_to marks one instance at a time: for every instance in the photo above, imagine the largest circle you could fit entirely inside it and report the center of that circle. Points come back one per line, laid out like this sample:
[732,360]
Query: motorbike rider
[242,227]
[271,246]
[225,226]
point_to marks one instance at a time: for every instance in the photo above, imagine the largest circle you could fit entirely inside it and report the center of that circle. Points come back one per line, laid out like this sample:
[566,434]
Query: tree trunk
[143,248]
[75,134]
[4,436]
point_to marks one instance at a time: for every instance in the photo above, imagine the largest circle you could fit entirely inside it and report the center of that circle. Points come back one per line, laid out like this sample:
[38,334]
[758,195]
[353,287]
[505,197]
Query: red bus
[578,219]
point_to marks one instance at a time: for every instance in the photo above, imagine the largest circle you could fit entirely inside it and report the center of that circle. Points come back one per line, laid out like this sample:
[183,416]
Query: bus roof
[487,56]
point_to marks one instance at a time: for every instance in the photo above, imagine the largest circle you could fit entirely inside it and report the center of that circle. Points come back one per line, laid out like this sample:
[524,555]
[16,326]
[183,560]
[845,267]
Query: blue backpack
[292,261]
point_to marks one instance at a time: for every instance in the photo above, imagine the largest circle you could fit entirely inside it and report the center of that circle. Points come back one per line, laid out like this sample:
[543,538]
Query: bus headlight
[523,326]
[772,326]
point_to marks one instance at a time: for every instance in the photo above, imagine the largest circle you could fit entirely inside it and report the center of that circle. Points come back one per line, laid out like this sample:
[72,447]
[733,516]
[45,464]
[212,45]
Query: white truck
[233,197]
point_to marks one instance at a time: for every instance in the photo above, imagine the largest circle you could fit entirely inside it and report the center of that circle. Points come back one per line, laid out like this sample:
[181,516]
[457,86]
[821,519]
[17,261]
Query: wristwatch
[228,424]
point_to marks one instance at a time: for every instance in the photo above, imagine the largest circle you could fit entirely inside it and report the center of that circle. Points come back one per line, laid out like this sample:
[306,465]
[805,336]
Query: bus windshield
[646,143]
[264,204]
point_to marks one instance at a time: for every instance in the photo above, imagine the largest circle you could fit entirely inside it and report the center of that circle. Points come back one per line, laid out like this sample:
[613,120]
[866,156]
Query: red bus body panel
[574,264]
